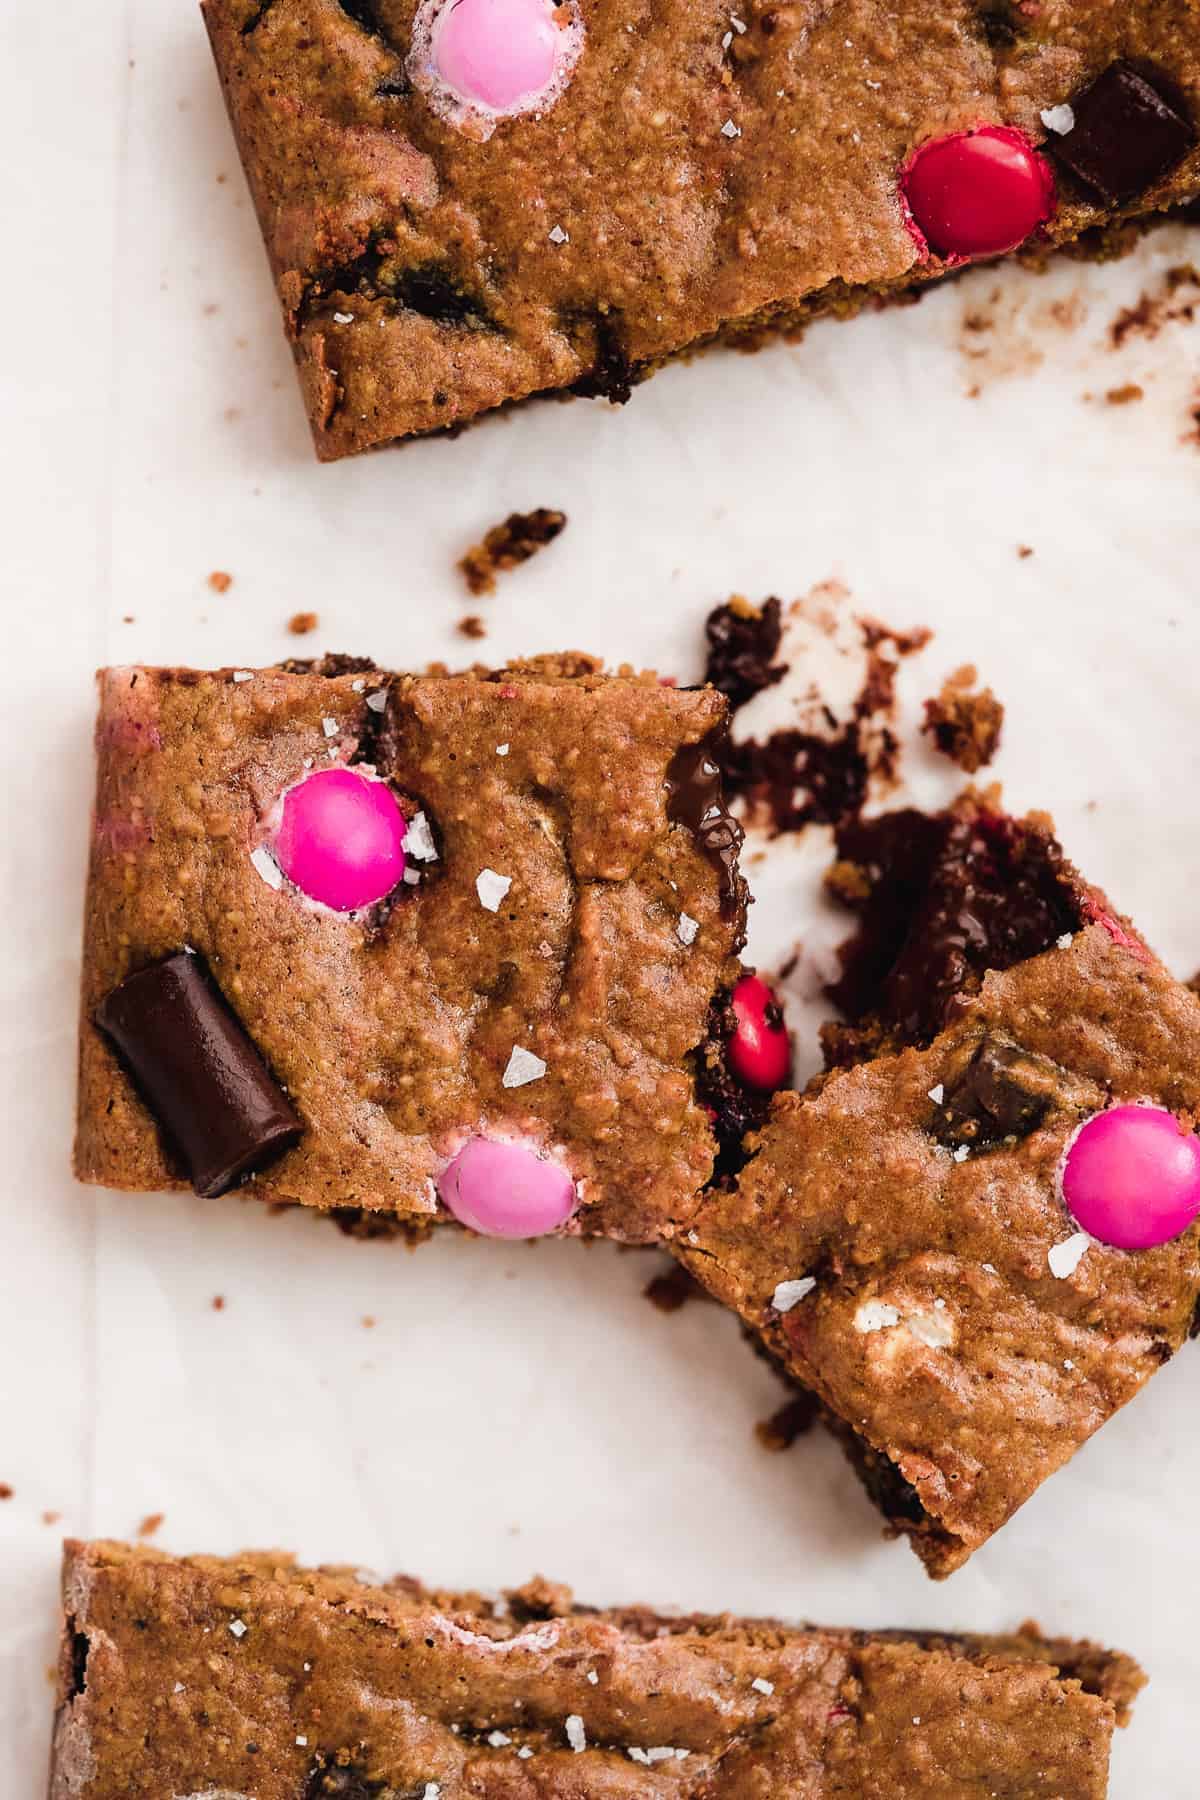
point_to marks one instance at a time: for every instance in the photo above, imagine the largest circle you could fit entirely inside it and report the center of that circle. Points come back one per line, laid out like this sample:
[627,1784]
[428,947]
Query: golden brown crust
[704,182]
[249,1676]
[993,1371]
[392,1038]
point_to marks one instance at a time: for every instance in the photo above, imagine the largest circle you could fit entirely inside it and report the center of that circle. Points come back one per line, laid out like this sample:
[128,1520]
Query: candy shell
[1131,1177]
[506,1190]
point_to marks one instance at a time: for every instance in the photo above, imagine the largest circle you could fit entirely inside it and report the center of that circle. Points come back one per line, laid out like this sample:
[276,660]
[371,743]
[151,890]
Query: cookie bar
[250,1676]
[973,1237]
[467,202]
[419,945]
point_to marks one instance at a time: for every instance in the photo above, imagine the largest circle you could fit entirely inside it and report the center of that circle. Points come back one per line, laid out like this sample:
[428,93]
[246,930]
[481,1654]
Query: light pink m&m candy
[977,193]
[1131,1177]
[506,1190]
[341,838]
[480,61]
[760,1053]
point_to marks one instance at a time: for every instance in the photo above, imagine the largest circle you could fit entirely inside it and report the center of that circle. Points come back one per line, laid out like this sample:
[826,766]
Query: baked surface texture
[391,1032]
[203,1677]
[694,181]
[916,1185]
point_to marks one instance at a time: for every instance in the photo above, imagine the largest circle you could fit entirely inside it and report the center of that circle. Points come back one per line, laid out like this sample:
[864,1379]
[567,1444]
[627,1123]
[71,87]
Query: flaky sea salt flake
[687,928]
[1060,119]
[789,1293]
[576,1735]
[1066,1257]
[491,888]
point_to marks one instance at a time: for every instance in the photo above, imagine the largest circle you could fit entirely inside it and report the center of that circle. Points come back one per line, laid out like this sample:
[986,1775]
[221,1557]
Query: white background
[521,1409]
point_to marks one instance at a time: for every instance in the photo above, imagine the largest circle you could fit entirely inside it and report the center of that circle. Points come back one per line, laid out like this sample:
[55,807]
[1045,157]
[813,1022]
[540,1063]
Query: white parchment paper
[520,1409]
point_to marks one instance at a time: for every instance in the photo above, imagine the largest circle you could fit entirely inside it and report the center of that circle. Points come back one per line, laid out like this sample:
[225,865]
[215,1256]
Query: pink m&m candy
[506,1190]
[341,838]
[1131,1177]
[485,60]
[759,1051]
[977,193]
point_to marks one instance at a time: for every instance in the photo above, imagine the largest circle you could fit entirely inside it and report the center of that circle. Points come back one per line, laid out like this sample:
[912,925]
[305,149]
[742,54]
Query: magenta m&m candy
[759,1051]
[480,61]
[1131,1177]
[977,193]
[506,1190]
[340,838]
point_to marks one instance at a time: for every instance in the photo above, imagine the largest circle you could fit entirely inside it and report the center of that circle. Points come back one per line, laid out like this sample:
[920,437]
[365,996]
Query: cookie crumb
[1125,394]
[1024,550]
[508,545]
[672,1290]
[472,626]
[150,1524]
[218,1303]
[51,1518]
[220,582]
[301,623]
[6,1492]
[793,1419]
[963,722]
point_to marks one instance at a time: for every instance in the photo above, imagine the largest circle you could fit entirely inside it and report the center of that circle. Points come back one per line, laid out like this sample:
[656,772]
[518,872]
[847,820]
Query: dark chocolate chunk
[1002,1094]
[1131,127]
[198,1071]
[696,799]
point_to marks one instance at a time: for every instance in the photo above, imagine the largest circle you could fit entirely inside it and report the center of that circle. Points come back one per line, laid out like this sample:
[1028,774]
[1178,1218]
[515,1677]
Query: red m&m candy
[341,838]
[1131,1177]
[759,1051]
[977,193]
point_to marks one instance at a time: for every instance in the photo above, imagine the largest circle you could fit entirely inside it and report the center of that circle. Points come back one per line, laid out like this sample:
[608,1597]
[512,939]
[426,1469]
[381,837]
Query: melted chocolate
[198,1072]
[742,645]
[696,800]
[944,898]
[1003,1094]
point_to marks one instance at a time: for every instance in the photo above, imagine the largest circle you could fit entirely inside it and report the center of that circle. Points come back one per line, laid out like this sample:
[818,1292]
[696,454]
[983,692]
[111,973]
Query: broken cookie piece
[507,546]
[964,722]
[974,1238]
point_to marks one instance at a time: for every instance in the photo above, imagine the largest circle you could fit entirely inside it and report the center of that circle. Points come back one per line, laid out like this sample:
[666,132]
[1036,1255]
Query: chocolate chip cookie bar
[467,202]
[974,1238]
[412,946]
[251,1676]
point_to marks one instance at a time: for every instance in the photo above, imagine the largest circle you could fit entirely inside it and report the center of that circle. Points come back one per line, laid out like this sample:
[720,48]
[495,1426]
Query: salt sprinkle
[498,1739]
[523,1067]
[179,1688]
[659,1754]
[730,130]
[358,686]
[593,1677]
[962,1153]
[876,1315]
[789,1293]
[243,674]
[418,839]
[1066,1257]
[738,24]
[917,1721]
[302,1742]
[237,1628]
[991,1268]
[491,888]
[501,749]
[1064,942]
[343,318]
[761,1685]
[524,1753]
[937,1094]
[1067,1363]
[1059,118]
[378,700]
[432,1791]
[576,1736]
[266,866]
[329,727]
[727,40]
[687,928]
[559,236]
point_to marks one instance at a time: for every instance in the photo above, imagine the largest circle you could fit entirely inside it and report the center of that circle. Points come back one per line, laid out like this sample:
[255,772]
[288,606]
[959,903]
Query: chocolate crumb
[6,1492]
[1123,395]
[472,626]
[964,723]
[793,1419]
[303,622]
[508,545]
[1175,302]
[150,1524]
[673,1289]
[743,641]
[218,1303]
[1024,550]
[220,582]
